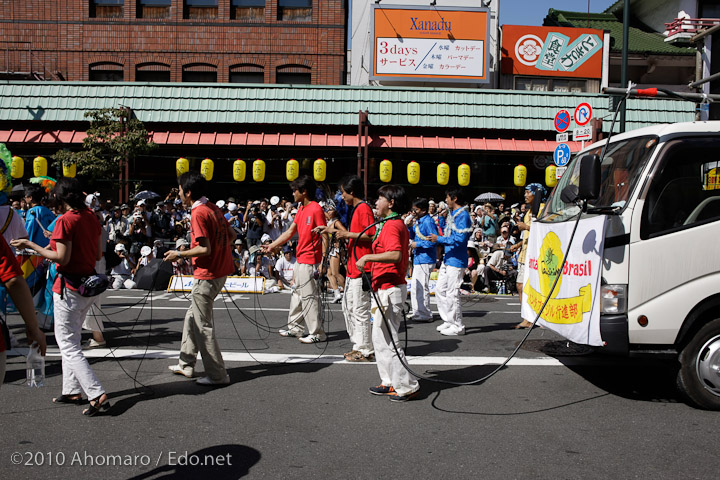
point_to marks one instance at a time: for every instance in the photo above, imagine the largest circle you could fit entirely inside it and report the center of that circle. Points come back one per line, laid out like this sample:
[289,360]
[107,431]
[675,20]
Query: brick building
[244,41]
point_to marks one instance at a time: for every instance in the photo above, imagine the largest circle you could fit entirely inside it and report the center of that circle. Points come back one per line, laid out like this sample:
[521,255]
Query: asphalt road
[301,411]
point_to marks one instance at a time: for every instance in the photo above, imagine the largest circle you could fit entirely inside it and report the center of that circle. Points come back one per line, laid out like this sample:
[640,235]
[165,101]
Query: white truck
[660,189]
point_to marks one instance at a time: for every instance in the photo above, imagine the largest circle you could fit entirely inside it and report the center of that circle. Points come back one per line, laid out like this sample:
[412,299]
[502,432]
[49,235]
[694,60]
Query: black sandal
[67,399]
[97,408]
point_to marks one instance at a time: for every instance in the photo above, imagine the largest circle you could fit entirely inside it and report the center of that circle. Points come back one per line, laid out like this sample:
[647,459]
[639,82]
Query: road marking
[304,358]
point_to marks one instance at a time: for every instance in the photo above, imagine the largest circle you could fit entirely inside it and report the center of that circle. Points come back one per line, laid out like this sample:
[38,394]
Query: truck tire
[699,375]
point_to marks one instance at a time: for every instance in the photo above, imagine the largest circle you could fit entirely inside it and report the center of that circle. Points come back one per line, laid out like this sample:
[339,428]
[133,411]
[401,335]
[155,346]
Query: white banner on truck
[574,307]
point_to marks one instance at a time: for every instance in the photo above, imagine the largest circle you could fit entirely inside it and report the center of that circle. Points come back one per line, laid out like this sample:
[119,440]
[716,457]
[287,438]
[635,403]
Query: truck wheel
[699,375]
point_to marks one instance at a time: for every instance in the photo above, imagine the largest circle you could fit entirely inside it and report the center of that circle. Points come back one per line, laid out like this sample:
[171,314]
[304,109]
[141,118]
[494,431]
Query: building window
[199,72]
[106,72]
[153,8]
[200,9]
[247,73]
[295,10]
[106,8]
[248,10]
[537,84]
[295,74]
[152,72]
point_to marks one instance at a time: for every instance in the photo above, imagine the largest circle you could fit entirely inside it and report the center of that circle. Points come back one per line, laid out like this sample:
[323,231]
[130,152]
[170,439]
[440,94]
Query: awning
[301,140]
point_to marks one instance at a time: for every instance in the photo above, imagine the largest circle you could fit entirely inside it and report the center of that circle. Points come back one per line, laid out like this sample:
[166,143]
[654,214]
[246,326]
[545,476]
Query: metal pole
[365,153]
[653,93]
[624,66]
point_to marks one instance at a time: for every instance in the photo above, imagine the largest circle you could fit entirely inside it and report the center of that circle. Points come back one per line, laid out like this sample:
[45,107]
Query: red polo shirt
[309,248]
[207,221]
[362,217]
[9,268]
[394,236]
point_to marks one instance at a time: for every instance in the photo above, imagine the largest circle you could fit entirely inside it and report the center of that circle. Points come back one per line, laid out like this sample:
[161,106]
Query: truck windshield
[620,173]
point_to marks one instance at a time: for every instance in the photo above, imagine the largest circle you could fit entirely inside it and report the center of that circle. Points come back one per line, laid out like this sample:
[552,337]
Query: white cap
[220,203]
[274,200]
[120,248]
[141,202]
[265,238]
[232,206]
[145,251]
[92,202]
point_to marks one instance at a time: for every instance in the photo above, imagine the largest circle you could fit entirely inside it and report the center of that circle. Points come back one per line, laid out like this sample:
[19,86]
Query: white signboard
[582,134]
[574,307]
[427,56]
[559,171]
[561,137]
[431,285]
[179,283]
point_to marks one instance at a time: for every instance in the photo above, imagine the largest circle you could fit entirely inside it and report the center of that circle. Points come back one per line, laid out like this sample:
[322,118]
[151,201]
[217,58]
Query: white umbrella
[489,197]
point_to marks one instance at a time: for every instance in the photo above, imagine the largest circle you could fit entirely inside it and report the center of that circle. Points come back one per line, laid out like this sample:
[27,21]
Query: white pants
[70,312]
[356,308]
[447,294]
[420,291]
[123,281]
[304,301]
[392,373]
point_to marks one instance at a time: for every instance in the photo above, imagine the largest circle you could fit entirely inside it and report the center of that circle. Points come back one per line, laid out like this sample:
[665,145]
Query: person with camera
[210,248]
[121,274]
[388,264]
[75,246]
[305,299]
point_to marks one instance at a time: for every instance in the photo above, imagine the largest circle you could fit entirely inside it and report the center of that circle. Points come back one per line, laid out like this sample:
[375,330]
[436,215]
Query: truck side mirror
[588,184]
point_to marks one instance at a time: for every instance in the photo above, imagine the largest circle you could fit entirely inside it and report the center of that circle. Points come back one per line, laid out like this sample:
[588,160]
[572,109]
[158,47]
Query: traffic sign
[561,137]
[562,121]
[561,157]
[583,114]
[559,171]
[582,133]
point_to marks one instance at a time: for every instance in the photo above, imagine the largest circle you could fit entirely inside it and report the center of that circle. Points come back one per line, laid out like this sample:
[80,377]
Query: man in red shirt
[210,249]
[356,302]
[304,303]
[11,277]
[389,259]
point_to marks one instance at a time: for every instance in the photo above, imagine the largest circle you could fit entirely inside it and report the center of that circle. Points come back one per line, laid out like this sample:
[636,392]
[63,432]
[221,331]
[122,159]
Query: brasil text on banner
[574,307]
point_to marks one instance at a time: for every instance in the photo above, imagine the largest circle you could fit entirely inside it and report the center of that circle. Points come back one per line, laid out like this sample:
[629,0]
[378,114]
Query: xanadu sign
[549,51]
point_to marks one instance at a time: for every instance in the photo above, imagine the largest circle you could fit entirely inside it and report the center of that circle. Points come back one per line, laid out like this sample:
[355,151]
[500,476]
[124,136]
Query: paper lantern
[69,170]
[17,167]
[464,175]
[551,176]
[239,169]
[319,170]
[207,168]
[385,171]
[292,169]
[258,170]
[40,167]
[413,172]
[181,166]
[443,173]
[520,176]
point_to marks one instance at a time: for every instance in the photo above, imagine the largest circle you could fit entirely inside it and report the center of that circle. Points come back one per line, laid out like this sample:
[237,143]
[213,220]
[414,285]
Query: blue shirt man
[424,261]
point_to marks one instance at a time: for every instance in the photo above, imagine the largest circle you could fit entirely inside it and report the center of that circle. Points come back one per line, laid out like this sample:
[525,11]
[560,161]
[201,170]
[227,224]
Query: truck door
[676,255]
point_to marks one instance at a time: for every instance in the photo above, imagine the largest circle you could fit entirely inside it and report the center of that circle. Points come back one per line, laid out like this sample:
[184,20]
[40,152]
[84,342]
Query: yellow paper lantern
[292,169]
[413,172]
[17,167]
[443,173]
[258,170]
[551,176]
[239,169]
[40,167]
[385,171]
[464,175]
[207,168]
[181,166]
[69,170]
[520,176]
[319,170]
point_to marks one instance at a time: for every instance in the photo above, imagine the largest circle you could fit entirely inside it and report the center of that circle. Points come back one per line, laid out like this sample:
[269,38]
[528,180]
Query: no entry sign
[562,121]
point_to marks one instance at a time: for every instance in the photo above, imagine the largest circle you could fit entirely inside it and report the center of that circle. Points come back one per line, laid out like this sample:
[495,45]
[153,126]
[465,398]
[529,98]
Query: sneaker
[422,320]
[289,333]
[337,298]
[382,390]
[394,397]
[313,338]
[443,326]
[209,382]
[486,290]
[359,357]
[185,372]
[453,330]
[93,344]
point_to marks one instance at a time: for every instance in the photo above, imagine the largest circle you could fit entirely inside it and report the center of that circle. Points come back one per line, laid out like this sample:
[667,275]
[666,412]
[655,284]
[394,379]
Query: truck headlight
[613,299]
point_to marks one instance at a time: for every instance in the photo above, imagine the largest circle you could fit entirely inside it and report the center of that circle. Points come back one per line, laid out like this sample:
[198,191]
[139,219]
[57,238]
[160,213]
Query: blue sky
[532,12]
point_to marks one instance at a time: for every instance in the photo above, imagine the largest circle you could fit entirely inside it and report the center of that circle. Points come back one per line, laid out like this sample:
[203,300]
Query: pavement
[301,411]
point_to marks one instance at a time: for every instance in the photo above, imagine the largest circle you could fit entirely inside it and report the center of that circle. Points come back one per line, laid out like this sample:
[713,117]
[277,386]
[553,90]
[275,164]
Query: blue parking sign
[561,157]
